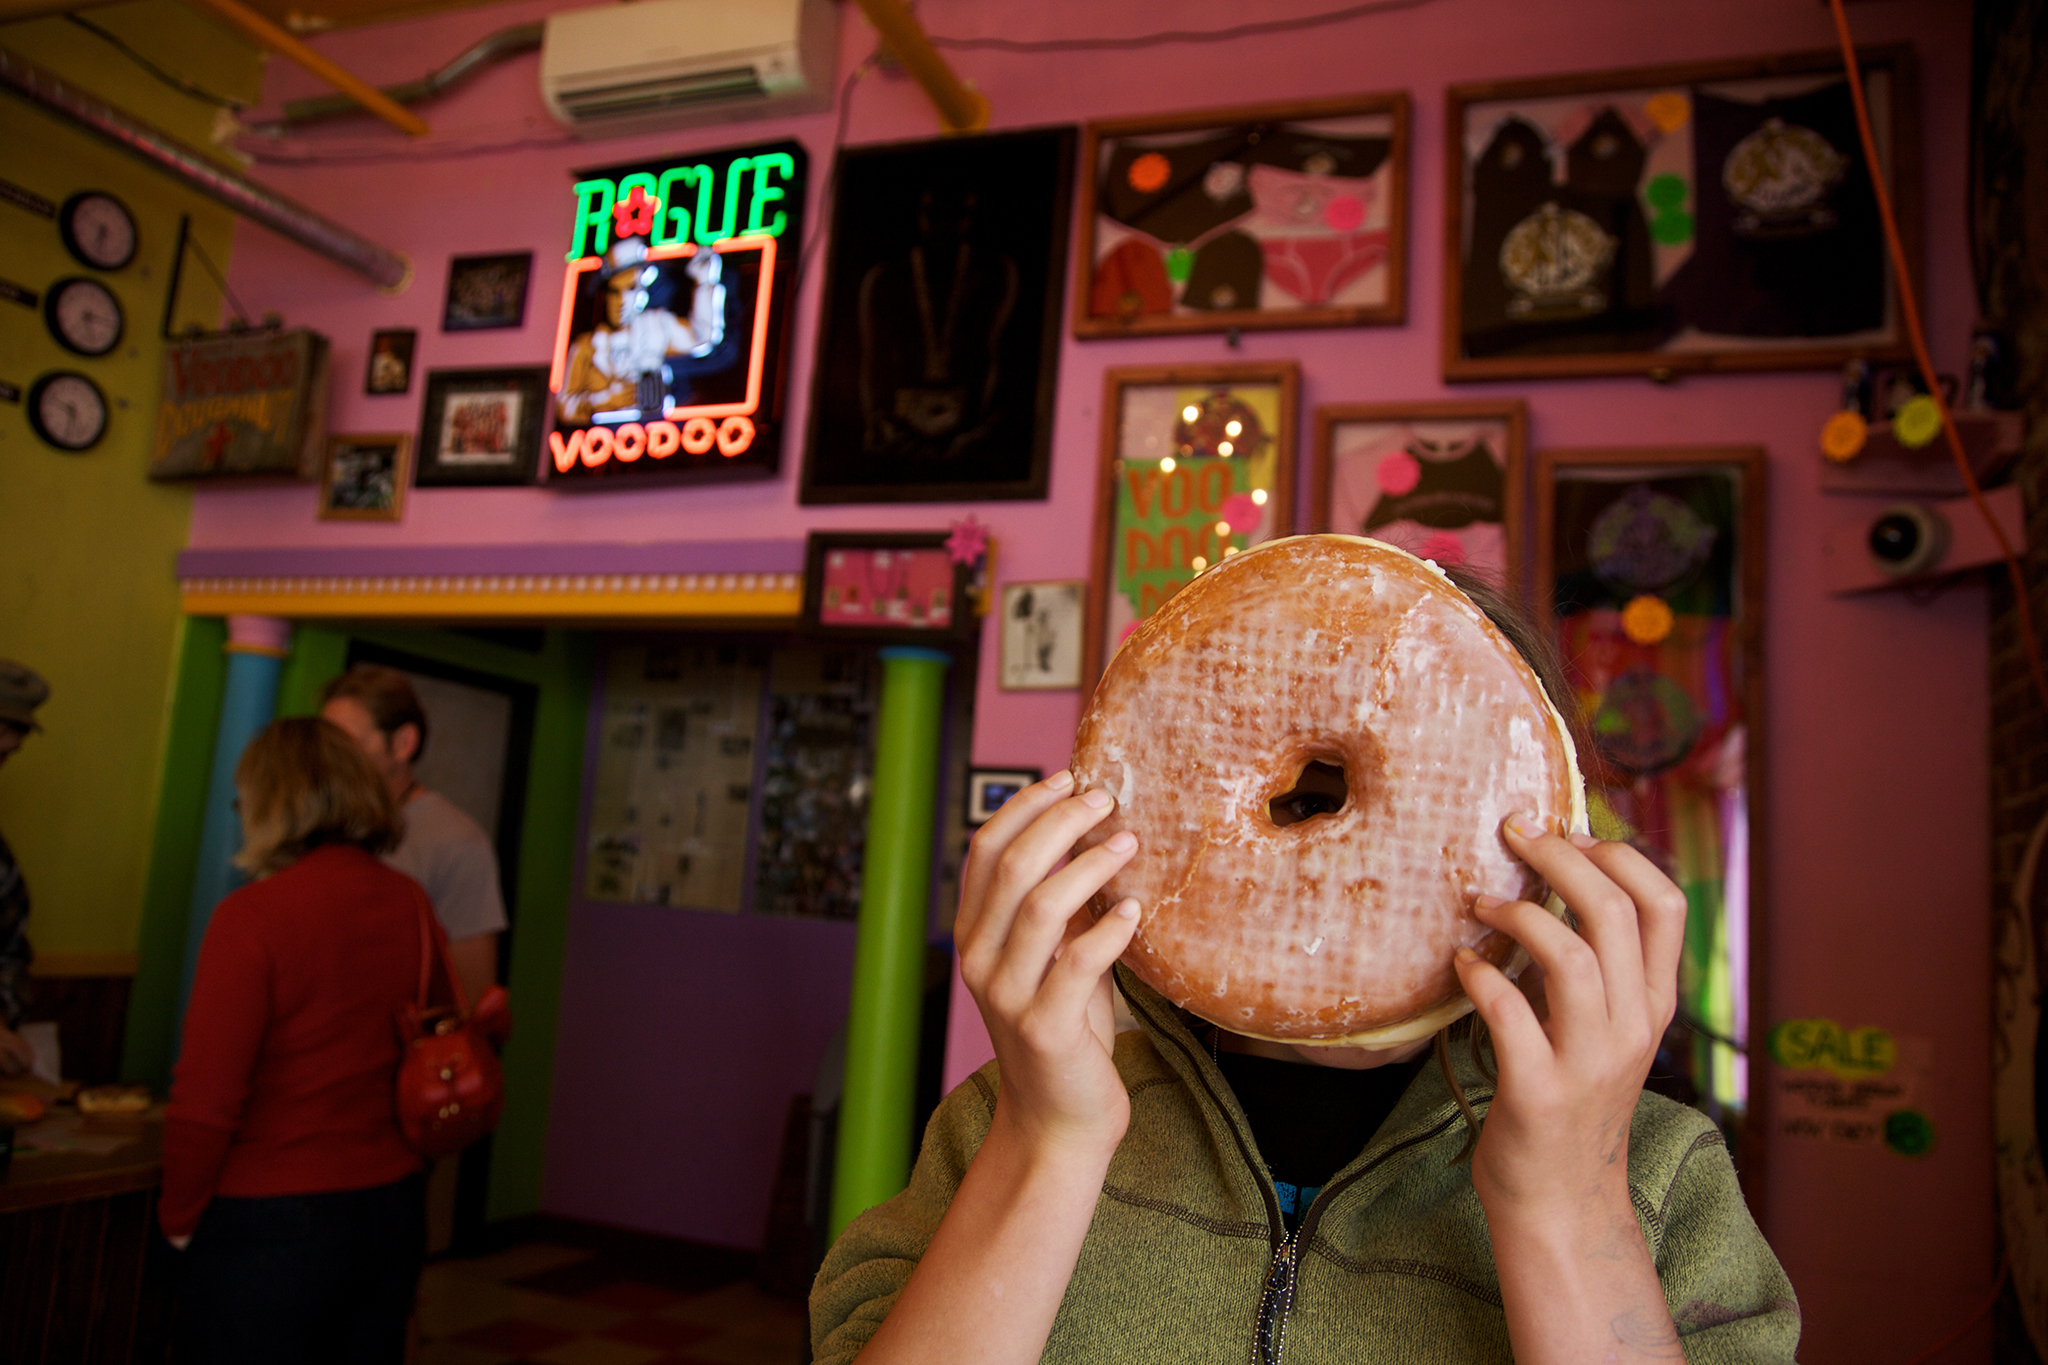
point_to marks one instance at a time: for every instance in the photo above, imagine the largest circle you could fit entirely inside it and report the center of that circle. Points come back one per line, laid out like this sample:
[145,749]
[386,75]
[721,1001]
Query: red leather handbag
[450,1087]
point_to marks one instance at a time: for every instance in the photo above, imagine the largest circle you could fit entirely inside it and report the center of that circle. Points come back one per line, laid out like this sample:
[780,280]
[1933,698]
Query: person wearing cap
[627,361]
[442,849]
[22,690]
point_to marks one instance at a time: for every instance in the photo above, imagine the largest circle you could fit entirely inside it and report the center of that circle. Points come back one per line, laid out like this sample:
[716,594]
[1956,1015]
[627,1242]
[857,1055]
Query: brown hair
[303,783]
[387,695]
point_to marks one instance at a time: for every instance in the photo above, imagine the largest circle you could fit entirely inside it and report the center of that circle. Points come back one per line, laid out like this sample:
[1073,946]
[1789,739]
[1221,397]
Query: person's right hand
[1039,970]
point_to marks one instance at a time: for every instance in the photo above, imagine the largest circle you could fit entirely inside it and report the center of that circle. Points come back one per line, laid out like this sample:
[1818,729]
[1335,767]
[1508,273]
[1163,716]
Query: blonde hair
[303,783]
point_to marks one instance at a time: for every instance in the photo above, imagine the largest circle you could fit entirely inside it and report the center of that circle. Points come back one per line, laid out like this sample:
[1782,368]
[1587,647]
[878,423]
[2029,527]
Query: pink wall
[1877,790]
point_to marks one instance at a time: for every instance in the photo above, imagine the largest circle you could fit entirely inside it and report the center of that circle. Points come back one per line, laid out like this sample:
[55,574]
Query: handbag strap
[433,947]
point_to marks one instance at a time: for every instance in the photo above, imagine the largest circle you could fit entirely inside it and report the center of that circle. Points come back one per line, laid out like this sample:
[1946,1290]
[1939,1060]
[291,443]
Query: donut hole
[1318,789]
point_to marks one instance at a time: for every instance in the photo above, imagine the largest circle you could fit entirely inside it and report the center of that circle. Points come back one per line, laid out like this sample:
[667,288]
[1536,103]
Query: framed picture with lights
[1649,576]
[1224,220]
[1711,216]
[1197,465]
[672,343]
[1441,480]
[902,586]
[939,335]
[481,427]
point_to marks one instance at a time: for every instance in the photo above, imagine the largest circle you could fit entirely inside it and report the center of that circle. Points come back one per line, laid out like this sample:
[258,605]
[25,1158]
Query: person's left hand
[1556,1135]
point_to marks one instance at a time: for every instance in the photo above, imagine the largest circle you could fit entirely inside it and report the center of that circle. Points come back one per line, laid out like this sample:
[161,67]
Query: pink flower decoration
[969,541]
[1243,513]
[1398,473]
[1443,547]
[1344,213]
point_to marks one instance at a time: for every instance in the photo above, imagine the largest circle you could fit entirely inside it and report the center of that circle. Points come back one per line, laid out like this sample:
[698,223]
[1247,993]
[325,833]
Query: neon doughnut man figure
[620,370]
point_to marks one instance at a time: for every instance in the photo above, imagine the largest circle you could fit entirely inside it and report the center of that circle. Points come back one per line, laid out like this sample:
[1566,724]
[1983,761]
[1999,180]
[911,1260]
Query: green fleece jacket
[1188,1258]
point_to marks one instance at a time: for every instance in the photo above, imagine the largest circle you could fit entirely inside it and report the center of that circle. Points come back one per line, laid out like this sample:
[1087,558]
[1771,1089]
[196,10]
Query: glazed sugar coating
[1343,926]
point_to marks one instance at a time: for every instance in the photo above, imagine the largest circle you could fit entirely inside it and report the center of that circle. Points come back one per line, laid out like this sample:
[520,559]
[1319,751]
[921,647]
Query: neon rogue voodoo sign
[670,355]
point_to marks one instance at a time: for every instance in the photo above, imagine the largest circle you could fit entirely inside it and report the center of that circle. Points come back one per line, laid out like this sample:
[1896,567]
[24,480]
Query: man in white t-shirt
[444,850]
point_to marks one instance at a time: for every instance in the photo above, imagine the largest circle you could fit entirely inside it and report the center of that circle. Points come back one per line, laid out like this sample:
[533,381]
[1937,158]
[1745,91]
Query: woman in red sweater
[286,1178]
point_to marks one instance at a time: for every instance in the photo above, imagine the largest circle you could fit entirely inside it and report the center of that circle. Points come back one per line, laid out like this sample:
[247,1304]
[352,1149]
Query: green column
[875,1140]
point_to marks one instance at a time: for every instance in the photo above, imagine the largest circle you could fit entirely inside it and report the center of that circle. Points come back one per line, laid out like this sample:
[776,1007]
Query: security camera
[1908,538]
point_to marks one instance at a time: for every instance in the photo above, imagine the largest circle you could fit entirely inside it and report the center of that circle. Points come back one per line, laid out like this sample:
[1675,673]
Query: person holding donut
[1320,752]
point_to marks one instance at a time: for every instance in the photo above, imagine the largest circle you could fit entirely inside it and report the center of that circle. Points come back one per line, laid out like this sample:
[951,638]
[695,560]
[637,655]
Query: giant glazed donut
[1339,928]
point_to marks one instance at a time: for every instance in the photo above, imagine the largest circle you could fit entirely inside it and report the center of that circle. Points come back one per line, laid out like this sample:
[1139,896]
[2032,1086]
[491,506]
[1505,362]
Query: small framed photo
[1442,481]
[390,366]
[884,585]
[988,788]
[1044,626]
[364,477]
[480,427]
[486,292]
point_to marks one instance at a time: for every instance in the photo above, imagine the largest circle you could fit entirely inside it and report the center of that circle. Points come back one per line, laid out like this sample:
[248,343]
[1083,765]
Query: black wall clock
[67,410]
[84,316]
[98,229]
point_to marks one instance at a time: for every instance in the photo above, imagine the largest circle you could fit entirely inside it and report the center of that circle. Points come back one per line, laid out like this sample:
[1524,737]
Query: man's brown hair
[387,695]
[303,783]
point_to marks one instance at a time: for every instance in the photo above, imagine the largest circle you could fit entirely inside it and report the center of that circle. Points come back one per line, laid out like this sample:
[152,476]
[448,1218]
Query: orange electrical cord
[1909,311]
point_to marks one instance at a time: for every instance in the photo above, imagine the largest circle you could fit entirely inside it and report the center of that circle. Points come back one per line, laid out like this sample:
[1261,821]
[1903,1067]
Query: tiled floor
[607,1302]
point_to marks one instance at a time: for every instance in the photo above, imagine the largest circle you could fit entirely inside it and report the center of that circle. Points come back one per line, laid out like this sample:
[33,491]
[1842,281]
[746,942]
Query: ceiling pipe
[961,109]
[330,239]
[486,52]
[285,45]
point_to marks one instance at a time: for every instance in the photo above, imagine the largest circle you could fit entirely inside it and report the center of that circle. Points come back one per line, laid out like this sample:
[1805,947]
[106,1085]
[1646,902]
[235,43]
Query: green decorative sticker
[1908,1132]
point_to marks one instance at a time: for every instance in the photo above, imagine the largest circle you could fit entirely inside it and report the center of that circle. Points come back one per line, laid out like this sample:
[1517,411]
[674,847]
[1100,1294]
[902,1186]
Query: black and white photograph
[1042,635]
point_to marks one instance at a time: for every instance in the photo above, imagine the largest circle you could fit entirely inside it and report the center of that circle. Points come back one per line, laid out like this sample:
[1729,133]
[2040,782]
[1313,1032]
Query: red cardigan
[286,1077]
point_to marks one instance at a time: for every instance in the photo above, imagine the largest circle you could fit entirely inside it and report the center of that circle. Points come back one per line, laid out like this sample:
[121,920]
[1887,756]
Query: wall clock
[98,229]
[84,316]
[67,410]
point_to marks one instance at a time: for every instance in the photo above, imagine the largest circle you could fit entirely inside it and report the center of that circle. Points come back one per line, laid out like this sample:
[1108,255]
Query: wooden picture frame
[900,586]
[1406,472]
[480,428]
[1043,632]
[486,293]
[989,788]
[924,392]
[1635,261]
[1650,577]
[1222,201]
[364,477]
[1148,466]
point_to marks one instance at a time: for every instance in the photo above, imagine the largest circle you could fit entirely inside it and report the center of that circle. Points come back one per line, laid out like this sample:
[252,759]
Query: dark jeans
[304,1278]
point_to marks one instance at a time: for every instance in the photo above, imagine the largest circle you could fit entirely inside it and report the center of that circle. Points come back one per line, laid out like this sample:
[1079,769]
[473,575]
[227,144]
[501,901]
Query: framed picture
[1274,215]
[364,478]
[900,585]
[988,788]
[1044,625]
[938,341]
[390,365]
[1440,480]
[482,426]
[1714,216]
[1197,464]
[1650,574]
[486,292]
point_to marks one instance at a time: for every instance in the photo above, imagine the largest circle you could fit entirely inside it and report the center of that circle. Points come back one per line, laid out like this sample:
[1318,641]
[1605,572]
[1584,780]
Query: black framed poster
[938,347]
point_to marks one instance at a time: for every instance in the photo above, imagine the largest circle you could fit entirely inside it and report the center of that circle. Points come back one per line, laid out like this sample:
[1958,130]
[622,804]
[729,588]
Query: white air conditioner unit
[629,68]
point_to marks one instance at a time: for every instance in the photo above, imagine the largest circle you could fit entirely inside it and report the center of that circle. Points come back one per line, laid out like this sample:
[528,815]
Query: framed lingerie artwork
[902,586]
[1225,220]
[1713,216]
[1650,577]
[939,333]
[1197,465]
[1441,480]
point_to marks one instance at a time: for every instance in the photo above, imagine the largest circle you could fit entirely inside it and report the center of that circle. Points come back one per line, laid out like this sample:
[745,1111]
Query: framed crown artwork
[1442,480]
[1712,216]
[672,341]
[1267,216]
[1197,465]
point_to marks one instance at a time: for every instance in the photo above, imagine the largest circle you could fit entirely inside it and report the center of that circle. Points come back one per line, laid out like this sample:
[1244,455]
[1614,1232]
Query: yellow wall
[87,544]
